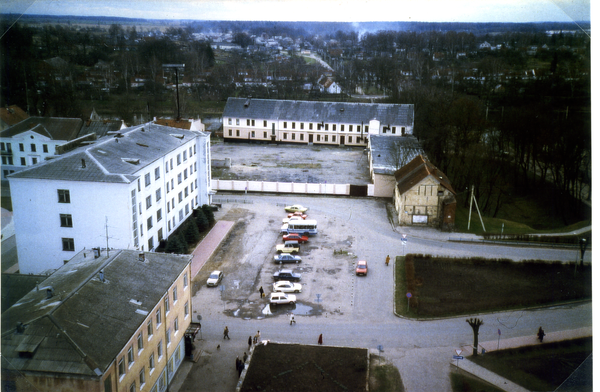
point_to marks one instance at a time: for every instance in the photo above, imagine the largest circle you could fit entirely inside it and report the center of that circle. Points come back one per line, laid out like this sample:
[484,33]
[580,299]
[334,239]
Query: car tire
[306,234]
[292,303]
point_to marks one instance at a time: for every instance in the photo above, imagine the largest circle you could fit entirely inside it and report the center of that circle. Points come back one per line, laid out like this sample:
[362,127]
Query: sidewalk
[209,244]
[503,344]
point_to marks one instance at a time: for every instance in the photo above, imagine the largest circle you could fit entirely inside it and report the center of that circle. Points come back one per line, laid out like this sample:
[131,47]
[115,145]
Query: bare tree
[475,324]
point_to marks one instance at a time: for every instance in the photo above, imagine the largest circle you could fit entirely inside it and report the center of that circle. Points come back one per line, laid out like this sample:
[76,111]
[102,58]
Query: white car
[214,278]
[282,298]
[291,218]
[286,286]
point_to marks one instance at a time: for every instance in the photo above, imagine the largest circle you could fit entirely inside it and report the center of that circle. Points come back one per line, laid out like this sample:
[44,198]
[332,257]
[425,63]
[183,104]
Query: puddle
[304,310]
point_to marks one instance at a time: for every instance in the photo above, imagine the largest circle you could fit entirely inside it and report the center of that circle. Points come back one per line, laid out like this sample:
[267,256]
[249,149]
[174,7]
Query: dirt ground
[298,368]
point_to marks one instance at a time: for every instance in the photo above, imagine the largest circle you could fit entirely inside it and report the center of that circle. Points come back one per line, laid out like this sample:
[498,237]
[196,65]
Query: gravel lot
[315,164]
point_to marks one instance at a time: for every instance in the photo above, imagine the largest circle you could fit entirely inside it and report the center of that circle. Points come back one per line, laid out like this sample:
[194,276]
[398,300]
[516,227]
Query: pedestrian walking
[257,337]
[245,357]
[239,366]
[541,334]
[387,260]
[320,341]
[292,319]
[226,333]
[262,292]
[249,342]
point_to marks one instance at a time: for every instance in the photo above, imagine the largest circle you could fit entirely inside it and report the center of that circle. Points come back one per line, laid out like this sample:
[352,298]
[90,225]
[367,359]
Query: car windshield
[214,276]
[362,265]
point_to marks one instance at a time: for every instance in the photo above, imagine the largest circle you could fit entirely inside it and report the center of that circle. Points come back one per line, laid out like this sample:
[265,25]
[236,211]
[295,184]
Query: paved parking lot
[292,163]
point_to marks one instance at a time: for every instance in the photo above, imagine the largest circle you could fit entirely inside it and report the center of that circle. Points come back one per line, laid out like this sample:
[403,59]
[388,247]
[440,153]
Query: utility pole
[176,67]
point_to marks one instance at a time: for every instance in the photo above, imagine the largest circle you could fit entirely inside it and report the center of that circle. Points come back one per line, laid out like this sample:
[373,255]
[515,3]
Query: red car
[295,237]
[297,213]
[361,268]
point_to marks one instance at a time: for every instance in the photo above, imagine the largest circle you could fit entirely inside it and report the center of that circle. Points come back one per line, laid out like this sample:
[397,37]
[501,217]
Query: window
[333,138]
[159,350]
[342,127]
[252,122]
[168,336]
[185,190]
[176,324]
[149,223]
[160,234]
[366,128]
[148,202]
[248,122]
[66,220]
[23,162]
[358,128]
[333,127]
[158,195]
[285,136]
[349,139]
[179,179]
[33,149]
[171,163]
[167,304]
[237,121]
[264,135]
[393,129]
[402,130]
[349,128]
[167,187]
[310,126]
[147,179]
[185,280]
[159,215]
[185,174]
[326,136]
[168,207]
[231,132]
[142,377]
[158,317]
[45,148]
[151,362]
[122,366]
[229,121]
[166,167]
[301,125]
[293,136]
[253,134]
[318,138]
[187,209]
[178,159]
[293,125]
[150,329]
[33,160]
[139,186]
[264,124]
[157,173]
[64,196]
[132,387]
[301,136]
[140,342]
[130,356]
[68,244]
[21,147]
[285,124]
[185,156]
[186,309]
[237,132]
[174,295]
[108,384]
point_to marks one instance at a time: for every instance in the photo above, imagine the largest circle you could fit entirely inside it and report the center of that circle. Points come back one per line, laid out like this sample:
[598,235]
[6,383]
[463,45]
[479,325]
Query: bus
[304,227]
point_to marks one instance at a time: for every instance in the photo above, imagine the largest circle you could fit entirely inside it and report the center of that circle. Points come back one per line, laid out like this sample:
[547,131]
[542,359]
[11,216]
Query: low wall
[283,187]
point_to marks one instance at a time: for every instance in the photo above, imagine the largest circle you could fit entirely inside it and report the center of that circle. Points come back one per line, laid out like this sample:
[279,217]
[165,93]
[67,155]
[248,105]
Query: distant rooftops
[11,115]
[55,128]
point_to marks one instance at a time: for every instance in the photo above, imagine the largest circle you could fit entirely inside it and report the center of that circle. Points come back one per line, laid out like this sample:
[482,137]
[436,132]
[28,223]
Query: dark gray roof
[53,127]
[110,158]
[99,127]
[338,112]
[87,323]
[389,153]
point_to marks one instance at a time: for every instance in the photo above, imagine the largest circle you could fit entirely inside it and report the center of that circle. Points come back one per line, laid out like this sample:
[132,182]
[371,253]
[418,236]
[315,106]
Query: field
[449,287]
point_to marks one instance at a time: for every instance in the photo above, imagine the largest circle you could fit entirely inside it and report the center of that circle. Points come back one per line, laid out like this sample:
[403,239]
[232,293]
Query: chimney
[141,257]
[82,163]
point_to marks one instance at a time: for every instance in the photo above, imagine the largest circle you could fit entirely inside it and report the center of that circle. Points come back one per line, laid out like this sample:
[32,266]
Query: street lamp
[582,247]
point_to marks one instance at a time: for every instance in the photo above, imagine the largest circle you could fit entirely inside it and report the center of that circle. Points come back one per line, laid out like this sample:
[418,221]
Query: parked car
[295,237]
[296,207]
[297,213]
[214,278]
[282,298]
[285,286]
[287,274]
[287,258]
[362,268]
[288,247]
[286,220]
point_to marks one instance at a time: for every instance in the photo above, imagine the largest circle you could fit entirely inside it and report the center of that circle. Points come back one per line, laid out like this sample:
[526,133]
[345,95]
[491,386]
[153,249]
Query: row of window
[319,138]
[126,362]
[32,147]
[319,126]
[181,157]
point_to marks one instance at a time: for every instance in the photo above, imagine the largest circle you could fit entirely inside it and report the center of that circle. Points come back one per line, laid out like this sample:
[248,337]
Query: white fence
[284,187]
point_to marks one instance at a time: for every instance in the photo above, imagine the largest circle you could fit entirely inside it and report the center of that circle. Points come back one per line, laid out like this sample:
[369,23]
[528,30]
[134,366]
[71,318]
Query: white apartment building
[34,140]
[128,190]
[331,123]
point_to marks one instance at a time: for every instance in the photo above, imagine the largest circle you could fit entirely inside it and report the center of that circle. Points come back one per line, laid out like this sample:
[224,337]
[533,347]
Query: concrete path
[209,244]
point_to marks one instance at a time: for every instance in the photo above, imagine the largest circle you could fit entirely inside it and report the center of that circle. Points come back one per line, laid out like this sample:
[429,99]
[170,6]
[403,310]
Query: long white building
[331,123]
[128,190]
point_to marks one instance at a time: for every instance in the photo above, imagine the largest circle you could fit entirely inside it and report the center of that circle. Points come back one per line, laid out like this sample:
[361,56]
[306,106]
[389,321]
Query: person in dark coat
[239,366]
[226,333]
[541,334]
[249,342]
[320,339]
[245,357]
[261,291]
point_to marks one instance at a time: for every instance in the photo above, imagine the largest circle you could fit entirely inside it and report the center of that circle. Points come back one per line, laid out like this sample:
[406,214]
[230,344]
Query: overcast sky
[315,10]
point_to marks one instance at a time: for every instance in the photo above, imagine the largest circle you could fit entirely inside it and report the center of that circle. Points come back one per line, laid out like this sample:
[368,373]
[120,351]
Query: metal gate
[358,190]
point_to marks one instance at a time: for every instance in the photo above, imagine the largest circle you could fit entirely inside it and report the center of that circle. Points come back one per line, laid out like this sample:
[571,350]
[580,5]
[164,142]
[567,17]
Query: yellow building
[101,322]
[424,196]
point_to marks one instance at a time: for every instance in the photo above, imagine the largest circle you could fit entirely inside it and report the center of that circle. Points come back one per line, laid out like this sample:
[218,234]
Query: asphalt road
[350,311]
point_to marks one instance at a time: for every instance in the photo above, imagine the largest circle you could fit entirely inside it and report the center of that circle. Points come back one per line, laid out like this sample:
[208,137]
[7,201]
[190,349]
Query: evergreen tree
[208,212]
[201,220]
[191,233]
